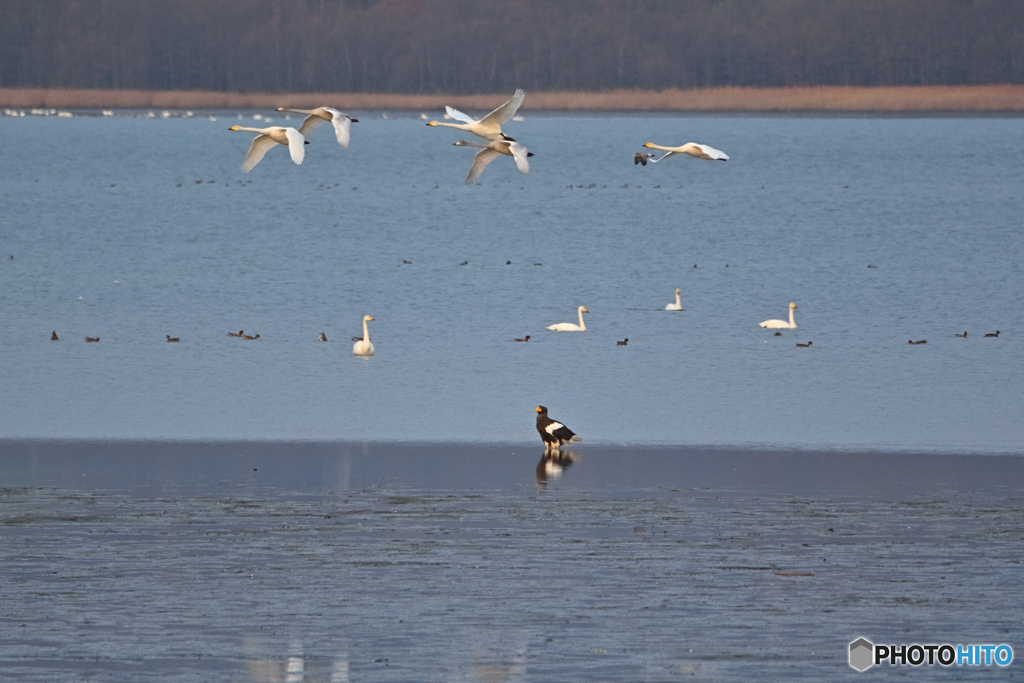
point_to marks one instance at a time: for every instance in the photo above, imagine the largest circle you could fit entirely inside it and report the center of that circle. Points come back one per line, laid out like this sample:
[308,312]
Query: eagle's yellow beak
[538,409]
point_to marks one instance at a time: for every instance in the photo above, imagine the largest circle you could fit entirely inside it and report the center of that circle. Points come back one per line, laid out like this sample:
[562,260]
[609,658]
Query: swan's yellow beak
[372,318]
[586,311]
[538,409]
[233,128]
[648,144]
[432,123]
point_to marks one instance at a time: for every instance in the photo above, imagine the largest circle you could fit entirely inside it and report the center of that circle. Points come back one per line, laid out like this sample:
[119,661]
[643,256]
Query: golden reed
[840,98]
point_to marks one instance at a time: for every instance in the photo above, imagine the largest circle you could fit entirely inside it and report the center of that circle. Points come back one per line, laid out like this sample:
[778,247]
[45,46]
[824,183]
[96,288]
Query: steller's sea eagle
[553,433]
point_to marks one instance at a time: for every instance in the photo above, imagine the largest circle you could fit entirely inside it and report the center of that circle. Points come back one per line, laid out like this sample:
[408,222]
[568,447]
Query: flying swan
[781,324]
[489,127]
[266,139]
[321,115]
[490,152]
[694,149]
[569,327]
[677,306]
[364,347]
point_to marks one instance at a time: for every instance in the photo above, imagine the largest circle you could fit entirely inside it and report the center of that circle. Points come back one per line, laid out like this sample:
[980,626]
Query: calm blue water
[106,243]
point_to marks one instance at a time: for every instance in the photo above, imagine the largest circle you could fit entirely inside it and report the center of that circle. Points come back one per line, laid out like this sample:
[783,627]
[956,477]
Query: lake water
[130,229]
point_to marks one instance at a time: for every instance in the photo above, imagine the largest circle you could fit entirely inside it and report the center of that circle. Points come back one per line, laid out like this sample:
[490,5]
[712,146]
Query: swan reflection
[295,669]
[495,665]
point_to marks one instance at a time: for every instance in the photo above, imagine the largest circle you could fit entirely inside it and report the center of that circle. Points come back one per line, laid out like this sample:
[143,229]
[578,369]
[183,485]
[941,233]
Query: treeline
[473,46]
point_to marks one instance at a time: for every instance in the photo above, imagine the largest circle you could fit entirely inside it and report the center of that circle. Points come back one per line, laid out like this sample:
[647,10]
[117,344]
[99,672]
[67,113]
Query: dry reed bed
[895,99]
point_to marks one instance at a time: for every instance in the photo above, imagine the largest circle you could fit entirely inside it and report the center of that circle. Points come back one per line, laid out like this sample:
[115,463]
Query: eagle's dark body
[552,432]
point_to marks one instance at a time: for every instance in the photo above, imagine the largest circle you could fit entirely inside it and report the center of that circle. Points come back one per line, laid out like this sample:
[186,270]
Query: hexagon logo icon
[862,654]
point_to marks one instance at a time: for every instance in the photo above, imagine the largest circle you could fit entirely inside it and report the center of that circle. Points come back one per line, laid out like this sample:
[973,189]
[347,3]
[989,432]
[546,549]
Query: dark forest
[480,46]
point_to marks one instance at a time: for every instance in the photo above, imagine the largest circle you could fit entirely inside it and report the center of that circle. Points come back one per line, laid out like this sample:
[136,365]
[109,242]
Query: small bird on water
[524,339]
[53,337]
[552,432]
[805,345]
[322,337]
[963,336]
[173,339]
[92,339]
[923,341]
[993,335]
[241,333]
[624,342]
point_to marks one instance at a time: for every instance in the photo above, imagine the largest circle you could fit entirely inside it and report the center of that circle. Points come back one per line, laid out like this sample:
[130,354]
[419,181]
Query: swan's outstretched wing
[459,116]
[342,126]
[296,145]
[506,111]
[667,155]
[713,154]
[311,123]
[519,154]
[483,157]
[257,150]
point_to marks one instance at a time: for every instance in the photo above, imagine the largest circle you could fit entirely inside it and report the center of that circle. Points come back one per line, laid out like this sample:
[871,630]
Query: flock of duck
[487,128]
[364,347]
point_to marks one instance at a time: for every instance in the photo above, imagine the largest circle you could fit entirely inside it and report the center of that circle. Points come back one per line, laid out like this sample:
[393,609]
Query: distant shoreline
[980,98]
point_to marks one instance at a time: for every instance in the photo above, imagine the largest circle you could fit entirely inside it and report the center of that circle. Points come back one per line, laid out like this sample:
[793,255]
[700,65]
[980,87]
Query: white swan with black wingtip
[552,432]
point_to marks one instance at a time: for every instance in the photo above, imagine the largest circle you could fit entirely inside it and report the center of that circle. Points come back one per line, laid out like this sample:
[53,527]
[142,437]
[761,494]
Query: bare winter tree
[466,46]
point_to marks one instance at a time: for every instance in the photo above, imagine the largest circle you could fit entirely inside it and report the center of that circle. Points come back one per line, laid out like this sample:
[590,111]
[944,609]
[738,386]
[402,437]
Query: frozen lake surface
[130,229]
[306,563]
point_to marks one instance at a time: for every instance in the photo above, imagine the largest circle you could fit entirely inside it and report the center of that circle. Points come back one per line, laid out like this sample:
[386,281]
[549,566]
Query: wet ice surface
[327,562]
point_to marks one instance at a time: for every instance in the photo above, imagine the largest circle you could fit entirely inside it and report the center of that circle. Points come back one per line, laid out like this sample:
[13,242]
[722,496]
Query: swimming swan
[694,149]
[321,115]
[490,152]
[569,327]
[489,127]
[266,139]
[364,347]
[677,306]
[781,324]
